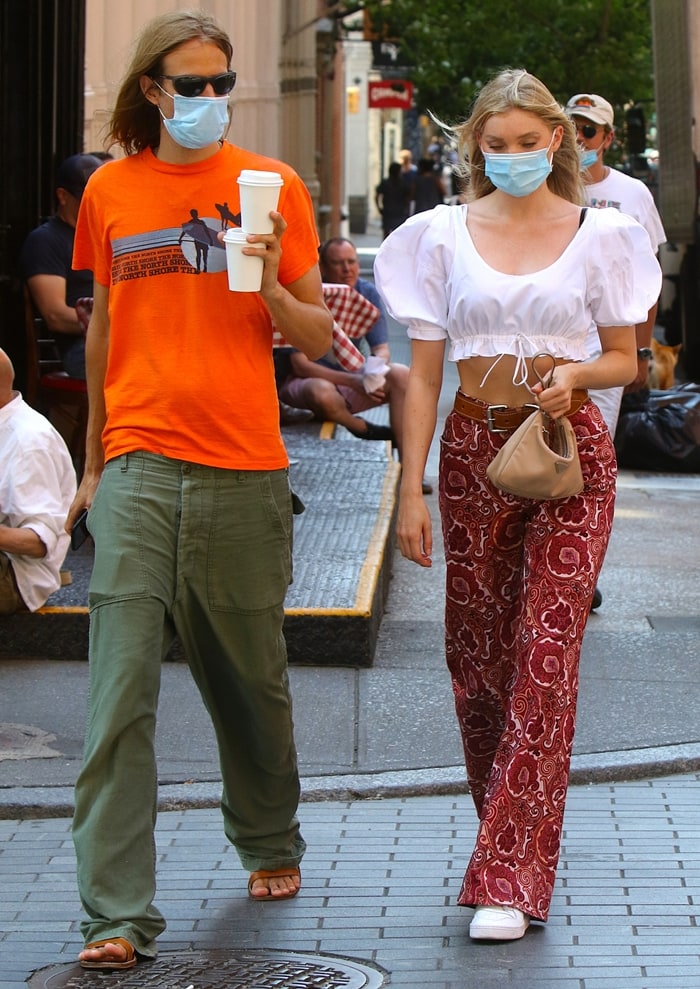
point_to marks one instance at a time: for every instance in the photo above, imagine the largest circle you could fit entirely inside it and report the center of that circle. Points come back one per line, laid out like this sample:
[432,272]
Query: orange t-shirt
[189,370]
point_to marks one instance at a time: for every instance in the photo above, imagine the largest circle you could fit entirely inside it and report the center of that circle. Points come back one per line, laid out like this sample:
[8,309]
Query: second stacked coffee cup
[259,192]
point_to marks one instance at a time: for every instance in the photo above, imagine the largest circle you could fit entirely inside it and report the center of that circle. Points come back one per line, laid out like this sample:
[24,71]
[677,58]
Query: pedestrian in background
[428,186]
[519,269]
[186,480]
[408,169]
[605,187]
[594,120]
[392,198]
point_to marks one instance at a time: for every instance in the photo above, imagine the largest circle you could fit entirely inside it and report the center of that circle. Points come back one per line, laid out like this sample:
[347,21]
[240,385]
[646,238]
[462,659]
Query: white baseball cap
[591,107]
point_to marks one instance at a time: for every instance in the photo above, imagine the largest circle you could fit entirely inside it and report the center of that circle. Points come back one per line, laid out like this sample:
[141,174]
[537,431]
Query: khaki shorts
[292,393]
[10,598]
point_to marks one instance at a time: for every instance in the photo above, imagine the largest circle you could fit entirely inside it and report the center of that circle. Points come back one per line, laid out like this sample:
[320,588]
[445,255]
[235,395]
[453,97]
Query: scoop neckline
[506,274]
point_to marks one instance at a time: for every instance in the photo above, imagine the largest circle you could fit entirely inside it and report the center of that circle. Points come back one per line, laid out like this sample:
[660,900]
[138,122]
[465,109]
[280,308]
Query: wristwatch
[645,353]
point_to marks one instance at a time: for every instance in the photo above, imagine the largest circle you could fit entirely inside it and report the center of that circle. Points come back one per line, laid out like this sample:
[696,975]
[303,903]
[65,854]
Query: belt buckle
[490,424]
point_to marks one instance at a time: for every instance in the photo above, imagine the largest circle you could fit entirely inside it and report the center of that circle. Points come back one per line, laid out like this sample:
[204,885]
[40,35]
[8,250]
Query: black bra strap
[583,215]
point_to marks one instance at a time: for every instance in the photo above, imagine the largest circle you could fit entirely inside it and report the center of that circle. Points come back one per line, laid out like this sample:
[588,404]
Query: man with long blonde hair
[186,481]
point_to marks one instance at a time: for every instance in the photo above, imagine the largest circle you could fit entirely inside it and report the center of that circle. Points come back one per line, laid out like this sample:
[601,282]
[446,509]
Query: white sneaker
[498,924]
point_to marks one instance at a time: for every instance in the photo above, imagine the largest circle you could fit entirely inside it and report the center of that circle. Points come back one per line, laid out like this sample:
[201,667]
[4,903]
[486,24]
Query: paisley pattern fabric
[520,581]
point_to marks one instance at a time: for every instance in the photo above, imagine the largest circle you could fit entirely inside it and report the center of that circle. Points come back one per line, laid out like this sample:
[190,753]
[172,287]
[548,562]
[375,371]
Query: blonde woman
[518,269]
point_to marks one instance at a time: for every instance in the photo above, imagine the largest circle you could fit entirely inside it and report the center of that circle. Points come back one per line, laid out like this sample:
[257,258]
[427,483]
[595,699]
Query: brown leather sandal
[109,963]
[290,870]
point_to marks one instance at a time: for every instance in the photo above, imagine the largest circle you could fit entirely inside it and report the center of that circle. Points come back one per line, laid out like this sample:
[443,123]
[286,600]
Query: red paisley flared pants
[520,581]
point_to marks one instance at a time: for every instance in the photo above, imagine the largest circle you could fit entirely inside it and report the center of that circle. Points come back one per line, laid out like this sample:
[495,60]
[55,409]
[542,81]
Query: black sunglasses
[588,130]
[195,85]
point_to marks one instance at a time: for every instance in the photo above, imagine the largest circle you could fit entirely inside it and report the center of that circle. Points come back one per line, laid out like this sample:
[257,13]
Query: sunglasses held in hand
[222,84]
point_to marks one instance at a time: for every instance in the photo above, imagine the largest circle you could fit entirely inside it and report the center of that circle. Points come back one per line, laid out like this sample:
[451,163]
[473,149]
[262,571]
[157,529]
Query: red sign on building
[385,94]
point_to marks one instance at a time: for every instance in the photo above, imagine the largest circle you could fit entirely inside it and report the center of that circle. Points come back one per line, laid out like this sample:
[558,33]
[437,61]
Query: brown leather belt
[504,418]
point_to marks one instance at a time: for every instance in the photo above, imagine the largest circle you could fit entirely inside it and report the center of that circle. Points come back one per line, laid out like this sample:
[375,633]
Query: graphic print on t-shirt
[192,248]
[604,203]
[228,219]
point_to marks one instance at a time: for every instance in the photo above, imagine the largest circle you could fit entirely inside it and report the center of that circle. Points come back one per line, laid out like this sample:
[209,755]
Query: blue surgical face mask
[198,120]
[518,174]
[588,157]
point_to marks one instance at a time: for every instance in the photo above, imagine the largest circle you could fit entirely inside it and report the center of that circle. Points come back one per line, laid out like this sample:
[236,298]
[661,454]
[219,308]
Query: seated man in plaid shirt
[337,259]
[336,395]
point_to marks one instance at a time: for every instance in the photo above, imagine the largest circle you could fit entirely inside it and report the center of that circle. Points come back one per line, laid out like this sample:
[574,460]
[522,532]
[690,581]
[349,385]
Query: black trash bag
[660,430]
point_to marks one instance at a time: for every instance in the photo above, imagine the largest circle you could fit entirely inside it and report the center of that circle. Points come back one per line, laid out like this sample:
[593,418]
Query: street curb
[20,803]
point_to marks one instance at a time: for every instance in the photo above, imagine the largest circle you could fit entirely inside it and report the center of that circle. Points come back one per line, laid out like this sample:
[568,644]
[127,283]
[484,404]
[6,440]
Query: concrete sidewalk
[390,730]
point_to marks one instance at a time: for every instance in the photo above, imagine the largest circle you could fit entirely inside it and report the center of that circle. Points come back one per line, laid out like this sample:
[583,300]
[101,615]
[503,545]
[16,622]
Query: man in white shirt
[608,187]
[37,487]
[605,186]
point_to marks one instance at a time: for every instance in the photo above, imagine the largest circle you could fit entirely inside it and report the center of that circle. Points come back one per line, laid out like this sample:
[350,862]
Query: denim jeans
[74,358]
[204,553]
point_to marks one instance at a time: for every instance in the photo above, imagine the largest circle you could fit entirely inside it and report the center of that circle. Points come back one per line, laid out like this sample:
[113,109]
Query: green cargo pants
[204,553]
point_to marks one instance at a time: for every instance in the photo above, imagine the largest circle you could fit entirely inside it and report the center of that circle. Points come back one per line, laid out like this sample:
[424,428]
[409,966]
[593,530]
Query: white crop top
[431,278]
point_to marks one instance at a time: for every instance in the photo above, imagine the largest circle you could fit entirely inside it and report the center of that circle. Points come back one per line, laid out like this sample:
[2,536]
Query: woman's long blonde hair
[516,89]
[135,123]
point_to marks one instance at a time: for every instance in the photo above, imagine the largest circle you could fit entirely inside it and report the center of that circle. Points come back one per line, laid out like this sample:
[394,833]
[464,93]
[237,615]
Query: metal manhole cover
[234,969]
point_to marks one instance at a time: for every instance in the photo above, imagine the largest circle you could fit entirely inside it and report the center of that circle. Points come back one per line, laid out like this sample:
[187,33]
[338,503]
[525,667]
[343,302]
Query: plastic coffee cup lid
[236,235]
[251,176]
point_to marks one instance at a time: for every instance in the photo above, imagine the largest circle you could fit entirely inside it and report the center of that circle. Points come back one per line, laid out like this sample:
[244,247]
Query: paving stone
[363,898]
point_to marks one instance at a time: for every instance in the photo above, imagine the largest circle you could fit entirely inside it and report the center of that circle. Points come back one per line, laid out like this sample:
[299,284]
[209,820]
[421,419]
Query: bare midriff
[498,389]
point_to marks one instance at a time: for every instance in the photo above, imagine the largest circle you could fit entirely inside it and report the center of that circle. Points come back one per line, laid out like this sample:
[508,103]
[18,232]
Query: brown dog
[662,366]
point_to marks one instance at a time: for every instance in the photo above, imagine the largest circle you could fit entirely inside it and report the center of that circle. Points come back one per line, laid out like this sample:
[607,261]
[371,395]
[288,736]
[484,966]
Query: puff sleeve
[411,273]
[623,274]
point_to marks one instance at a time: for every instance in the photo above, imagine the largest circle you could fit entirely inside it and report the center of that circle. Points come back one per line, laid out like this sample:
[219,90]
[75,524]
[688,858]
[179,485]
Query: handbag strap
[544,380]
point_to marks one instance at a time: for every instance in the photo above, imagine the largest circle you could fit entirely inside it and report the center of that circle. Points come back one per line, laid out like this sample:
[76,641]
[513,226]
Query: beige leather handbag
[540,459]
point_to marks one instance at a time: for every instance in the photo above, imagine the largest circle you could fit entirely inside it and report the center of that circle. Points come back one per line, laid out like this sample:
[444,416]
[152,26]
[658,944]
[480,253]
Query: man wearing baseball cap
[45,264]
[594,119]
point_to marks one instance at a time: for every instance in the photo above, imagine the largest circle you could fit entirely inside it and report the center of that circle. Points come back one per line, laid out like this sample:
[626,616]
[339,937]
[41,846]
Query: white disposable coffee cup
[260,193]
[245,271]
